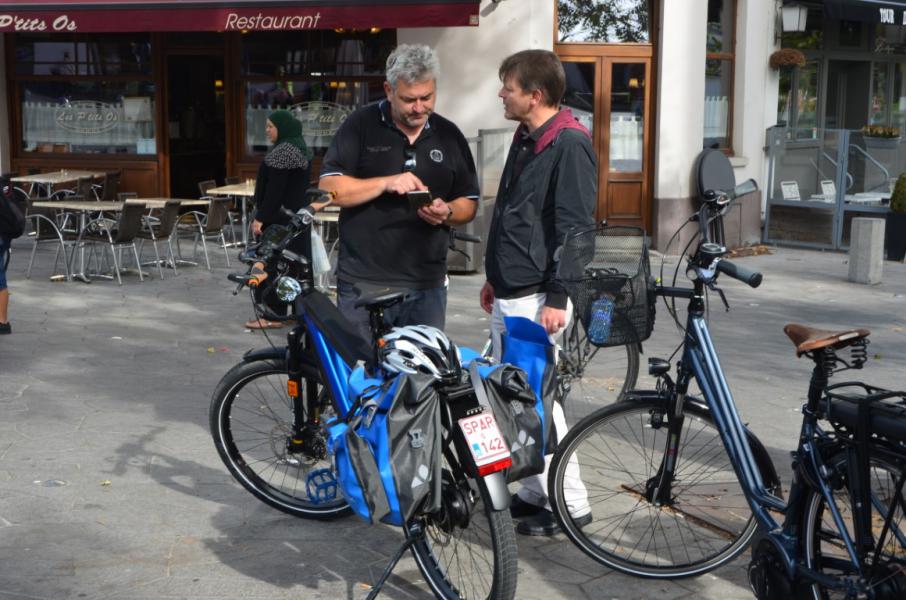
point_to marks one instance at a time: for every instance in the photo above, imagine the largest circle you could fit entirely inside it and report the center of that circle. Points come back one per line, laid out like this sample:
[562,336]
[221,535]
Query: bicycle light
[287,289]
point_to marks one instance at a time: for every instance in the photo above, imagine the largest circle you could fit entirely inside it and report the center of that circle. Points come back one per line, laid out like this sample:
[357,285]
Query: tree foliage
[603,20]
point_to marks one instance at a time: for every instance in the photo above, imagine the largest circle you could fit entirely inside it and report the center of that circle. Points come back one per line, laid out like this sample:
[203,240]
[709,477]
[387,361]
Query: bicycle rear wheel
[590,377]
[823,543]
[251,419]
[467,550]
[618,450]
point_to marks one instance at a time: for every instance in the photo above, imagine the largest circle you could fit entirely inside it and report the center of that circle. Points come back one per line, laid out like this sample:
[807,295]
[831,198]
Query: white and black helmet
[419,349]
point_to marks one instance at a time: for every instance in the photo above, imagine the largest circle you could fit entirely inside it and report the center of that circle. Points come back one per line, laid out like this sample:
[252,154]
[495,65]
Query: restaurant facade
[174,92]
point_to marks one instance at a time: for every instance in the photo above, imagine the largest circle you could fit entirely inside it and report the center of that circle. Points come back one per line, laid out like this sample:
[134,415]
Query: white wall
[681,95]
[755,93]
[470,57]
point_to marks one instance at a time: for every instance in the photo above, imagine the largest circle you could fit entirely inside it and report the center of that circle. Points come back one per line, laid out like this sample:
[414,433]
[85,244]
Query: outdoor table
[160,202]
[47,180]
[84,208]
[243,191]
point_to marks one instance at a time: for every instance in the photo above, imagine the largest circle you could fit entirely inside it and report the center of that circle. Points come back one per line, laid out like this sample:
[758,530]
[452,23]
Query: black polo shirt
[384,241]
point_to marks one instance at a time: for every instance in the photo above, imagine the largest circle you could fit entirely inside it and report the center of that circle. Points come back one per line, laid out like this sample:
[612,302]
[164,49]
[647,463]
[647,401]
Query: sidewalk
[110,486]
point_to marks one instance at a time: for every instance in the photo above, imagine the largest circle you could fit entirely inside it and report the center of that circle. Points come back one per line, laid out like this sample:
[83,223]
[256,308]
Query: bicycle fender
[270,353]
[498,492]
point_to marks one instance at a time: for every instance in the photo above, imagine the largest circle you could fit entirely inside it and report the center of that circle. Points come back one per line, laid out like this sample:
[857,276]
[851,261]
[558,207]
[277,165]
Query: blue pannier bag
[387,451]
[526,345]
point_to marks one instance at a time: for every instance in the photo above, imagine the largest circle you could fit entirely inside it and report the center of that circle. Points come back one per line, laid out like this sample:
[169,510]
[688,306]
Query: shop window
[57,55]
[798,101]
[604,21]
[80,95]
[321,76]
[719,67]
[878,110]
[898,106]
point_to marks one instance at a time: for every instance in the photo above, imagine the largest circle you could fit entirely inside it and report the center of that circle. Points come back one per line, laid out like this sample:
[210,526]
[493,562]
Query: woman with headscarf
[283,177]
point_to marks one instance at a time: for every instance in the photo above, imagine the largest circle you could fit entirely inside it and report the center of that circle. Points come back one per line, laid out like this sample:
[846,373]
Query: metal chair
[43,229]
[204,187]
[110,187]
[117,237]
[161,229]
[205,226]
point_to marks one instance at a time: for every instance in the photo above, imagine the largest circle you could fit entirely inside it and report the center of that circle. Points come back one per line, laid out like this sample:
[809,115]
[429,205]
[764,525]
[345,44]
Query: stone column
[680,113]
[866,250]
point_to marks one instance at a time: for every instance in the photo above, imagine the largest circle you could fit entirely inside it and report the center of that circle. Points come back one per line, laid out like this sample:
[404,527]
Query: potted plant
[895,231]
[786,57]
[878,136]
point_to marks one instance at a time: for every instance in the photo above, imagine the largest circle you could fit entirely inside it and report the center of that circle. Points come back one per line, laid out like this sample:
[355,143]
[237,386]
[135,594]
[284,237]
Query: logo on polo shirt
[436,155]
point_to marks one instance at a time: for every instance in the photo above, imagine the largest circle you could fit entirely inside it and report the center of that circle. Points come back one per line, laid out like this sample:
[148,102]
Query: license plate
[484,438]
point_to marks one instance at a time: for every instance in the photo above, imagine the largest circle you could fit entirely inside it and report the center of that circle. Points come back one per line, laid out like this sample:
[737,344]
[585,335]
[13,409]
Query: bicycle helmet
[419,349]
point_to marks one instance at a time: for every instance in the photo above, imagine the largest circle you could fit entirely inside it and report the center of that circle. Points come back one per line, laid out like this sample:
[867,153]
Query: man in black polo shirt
[381,152]
[548,185]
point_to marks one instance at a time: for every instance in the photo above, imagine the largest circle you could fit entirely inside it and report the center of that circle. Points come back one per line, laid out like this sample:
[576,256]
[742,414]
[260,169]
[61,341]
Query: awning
[886,12]
[241,15]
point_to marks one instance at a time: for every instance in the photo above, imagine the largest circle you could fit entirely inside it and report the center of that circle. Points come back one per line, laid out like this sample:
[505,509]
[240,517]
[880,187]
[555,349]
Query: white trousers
[534,488]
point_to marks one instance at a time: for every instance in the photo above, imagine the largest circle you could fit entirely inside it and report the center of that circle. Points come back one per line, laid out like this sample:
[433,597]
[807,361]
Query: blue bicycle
[269,418]
[679,486]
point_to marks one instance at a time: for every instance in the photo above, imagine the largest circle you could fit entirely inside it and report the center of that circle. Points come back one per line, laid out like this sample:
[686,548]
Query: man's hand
[256,227]
[435,213]
[402,183]
[486,297]
[553,319]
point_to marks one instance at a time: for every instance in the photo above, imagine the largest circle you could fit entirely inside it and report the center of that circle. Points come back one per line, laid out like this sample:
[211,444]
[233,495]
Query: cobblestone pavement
[110,486]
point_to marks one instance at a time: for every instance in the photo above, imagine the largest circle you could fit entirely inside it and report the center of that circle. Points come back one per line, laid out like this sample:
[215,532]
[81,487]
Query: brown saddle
[808,338]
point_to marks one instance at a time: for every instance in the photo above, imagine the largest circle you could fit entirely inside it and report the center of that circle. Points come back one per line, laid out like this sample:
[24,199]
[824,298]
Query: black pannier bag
[506,390]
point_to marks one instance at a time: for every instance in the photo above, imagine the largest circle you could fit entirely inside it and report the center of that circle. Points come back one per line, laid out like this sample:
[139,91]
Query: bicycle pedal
[321,486]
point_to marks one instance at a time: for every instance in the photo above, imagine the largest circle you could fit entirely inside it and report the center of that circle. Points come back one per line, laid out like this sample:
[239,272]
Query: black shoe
[545,524]
[5,328]
[519,508]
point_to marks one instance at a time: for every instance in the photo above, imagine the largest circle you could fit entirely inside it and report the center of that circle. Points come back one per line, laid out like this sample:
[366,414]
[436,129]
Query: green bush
[898,197]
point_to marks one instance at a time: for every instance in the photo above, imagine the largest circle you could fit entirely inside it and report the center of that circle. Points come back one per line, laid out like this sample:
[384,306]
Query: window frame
[18,80]
[731,93]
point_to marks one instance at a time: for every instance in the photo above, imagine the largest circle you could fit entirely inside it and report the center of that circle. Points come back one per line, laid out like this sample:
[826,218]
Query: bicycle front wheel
[591,377]
[612,458]
[467,550]
[251,422]
[823,542]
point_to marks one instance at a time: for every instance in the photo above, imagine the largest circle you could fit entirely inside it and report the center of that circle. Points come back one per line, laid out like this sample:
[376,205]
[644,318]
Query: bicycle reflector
[292,388]
[499,465]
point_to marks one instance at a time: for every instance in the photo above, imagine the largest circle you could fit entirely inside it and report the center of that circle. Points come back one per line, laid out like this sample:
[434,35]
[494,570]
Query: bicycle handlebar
[747,276]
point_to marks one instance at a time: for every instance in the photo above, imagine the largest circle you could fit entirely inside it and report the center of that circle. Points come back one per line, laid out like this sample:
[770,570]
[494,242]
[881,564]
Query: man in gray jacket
[548,186]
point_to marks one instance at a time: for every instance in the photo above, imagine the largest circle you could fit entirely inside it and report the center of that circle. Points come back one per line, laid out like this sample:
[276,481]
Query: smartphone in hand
[419,198]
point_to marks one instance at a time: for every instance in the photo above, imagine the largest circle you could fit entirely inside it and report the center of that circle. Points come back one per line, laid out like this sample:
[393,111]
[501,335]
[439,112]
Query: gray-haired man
[379,154]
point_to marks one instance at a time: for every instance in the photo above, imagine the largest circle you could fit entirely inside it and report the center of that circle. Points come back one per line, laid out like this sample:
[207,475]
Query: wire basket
[606,274]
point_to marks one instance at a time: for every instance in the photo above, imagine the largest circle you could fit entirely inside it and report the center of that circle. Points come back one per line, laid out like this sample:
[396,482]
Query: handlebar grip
[256,275]
[747,276]
[237,277]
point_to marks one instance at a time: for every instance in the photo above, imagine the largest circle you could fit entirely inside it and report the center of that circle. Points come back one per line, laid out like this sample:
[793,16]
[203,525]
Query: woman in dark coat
[283,177]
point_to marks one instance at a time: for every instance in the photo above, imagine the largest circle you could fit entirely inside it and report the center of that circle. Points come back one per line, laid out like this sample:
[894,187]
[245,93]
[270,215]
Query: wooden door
[609,90]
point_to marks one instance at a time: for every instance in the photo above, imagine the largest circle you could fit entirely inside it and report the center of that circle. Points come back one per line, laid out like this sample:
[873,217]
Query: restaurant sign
[87,116]
[246,15]
[320,119]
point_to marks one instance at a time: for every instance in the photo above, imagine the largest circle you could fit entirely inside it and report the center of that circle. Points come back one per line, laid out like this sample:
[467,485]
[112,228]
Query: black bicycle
[679,486]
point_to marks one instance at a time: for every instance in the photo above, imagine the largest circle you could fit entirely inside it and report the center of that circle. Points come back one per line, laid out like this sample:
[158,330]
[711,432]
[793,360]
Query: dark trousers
[422,307]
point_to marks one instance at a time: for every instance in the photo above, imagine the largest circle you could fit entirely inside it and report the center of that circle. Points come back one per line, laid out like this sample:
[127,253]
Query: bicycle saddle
[808,338]
[384,297]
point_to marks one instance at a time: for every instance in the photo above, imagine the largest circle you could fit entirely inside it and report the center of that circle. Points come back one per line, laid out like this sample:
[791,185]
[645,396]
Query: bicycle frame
[700,361]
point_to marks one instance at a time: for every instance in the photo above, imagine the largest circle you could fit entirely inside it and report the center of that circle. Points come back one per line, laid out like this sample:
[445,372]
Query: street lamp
[793,17]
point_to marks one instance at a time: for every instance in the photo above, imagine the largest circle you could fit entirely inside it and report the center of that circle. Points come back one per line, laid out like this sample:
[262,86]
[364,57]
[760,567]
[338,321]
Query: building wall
[470,56]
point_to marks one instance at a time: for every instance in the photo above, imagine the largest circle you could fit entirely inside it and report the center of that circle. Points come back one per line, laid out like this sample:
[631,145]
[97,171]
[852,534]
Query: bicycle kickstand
[410,539]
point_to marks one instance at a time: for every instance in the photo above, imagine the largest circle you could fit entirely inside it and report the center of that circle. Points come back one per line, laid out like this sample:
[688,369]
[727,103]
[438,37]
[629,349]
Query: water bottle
[601,315]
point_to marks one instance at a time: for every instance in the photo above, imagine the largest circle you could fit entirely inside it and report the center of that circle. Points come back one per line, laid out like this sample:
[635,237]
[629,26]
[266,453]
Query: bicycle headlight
[287,289]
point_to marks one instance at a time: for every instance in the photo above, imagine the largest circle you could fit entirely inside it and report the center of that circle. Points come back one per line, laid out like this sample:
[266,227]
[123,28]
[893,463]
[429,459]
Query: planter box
[895,236]
[882,143]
